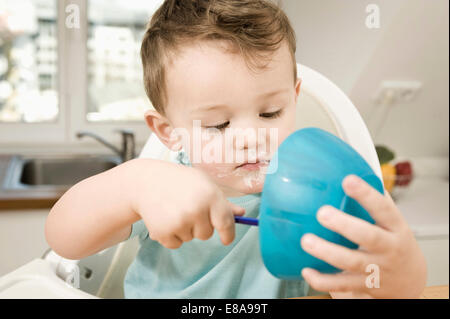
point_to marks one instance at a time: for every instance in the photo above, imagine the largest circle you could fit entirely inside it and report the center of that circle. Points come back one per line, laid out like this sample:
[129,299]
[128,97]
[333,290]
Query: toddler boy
[214,67]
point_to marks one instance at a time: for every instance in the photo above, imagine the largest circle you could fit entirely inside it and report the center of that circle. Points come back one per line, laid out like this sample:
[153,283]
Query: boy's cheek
[287,130]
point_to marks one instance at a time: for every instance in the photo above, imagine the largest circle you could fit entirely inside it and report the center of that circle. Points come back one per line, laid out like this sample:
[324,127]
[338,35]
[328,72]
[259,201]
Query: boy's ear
[162,128]
[297,89]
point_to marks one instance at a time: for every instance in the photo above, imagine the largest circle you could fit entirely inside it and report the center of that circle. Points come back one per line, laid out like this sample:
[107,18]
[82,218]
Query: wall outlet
[393,92]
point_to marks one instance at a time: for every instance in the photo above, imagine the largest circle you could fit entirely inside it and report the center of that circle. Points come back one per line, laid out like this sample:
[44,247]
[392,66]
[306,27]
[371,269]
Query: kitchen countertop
[12,199]
[425,206]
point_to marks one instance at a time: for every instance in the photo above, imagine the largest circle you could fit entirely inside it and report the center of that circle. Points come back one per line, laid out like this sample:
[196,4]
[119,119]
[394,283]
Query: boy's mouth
[253,166]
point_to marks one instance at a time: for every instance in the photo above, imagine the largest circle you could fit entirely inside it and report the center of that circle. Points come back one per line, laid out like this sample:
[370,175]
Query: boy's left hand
[389,246]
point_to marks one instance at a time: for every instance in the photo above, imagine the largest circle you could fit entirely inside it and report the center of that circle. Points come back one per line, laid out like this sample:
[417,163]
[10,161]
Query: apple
[404,173]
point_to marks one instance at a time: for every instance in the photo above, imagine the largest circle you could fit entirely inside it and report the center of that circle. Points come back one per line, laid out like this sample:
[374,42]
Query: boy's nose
[251,138]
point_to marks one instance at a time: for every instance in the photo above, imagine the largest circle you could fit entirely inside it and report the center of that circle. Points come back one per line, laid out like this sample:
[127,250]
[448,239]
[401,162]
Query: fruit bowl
[397,178]
[397,174]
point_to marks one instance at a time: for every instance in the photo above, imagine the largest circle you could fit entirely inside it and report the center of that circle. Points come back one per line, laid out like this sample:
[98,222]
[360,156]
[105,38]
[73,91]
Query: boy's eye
[220,126]
[271,114]
[265,115]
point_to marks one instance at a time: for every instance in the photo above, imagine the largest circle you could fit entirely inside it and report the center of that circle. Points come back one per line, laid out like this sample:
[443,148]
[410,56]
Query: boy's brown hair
[254,28]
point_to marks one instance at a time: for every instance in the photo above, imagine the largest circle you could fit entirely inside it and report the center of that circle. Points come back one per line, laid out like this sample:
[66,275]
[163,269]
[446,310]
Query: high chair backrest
[321,104]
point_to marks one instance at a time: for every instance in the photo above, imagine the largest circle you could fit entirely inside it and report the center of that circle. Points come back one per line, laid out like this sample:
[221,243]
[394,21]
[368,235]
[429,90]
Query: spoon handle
[246,220]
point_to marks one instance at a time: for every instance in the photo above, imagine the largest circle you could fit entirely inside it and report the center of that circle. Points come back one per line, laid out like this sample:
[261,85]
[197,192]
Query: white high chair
[321,104]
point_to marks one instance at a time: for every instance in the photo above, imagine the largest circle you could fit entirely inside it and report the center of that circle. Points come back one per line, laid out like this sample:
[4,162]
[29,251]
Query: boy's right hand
[179,203]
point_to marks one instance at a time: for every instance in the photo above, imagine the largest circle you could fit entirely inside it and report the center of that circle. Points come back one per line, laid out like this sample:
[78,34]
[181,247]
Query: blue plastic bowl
[311,165]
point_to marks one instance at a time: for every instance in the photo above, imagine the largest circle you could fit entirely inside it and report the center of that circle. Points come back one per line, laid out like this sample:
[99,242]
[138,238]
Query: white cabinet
[22,237]
[436,254]
[425,206]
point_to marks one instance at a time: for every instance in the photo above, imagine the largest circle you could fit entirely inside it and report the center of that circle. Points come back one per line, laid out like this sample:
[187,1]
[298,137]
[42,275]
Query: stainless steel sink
[55,171]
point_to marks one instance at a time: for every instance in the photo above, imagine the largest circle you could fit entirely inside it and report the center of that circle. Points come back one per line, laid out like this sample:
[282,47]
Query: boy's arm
[94,214]
[98,212]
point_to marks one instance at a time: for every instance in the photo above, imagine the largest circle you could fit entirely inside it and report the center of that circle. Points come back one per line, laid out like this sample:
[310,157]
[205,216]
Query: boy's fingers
[223,221]
[203,229]
[171,242]
[382,210]
[336,255]
[237,210]
[361,232]
[341,282]
[186,235]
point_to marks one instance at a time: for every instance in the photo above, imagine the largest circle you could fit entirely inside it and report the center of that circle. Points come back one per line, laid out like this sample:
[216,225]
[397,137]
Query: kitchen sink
[55,171]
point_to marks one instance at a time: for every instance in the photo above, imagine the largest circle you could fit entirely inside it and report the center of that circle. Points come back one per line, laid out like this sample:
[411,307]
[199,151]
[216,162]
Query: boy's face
[207,84]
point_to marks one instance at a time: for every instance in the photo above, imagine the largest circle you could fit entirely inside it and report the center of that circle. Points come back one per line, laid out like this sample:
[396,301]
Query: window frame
[72,79]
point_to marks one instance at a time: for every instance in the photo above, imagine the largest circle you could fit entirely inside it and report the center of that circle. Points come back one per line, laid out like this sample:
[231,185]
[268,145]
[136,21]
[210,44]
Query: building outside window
[29,55]
[28,61]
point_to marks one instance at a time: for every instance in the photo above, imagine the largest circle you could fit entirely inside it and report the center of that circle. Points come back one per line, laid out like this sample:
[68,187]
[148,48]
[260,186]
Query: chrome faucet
[128,144]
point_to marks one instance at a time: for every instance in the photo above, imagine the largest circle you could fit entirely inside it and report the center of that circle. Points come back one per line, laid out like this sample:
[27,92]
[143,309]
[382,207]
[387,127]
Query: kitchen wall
[411,44]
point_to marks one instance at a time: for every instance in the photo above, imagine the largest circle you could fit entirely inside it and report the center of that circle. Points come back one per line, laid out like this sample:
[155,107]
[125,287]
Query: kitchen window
[57,79]
[28,61]
[115,88]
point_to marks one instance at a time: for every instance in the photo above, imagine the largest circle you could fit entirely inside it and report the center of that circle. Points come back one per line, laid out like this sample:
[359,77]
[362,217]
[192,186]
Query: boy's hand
[389,245]
[179,203]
